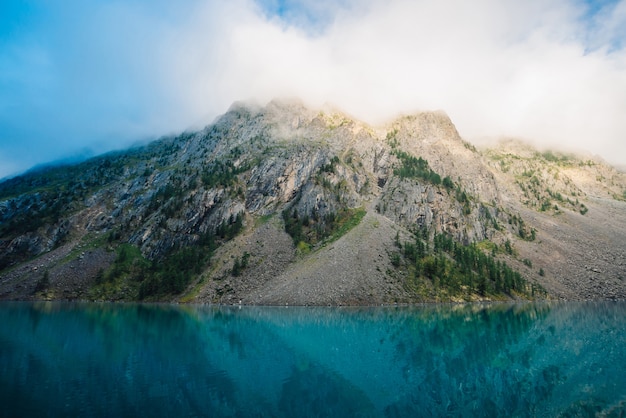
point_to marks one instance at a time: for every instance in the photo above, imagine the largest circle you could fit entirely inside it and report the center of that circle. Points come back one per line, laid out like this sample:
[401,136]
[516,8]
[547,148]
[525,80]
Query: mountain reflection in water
[61,359]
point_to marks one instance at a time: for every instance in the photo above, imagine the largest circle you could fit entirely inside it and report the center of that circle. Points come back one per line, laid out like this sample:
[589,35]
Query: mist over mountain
[73,77]
[284,204]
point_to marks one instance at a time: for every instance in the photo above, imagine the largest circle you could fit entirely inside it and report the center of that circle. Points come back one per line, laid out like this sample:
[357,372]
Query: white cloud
[498,68]
[550,71]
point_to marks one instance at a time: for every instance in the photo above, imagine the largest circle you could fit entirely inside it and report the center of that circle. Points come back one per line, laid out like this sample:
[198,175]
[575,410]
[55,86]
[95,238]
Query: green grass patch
[314,231]
[303,248]
[351,218]
[89,242]
[262,220]
[190,296]
[487,246]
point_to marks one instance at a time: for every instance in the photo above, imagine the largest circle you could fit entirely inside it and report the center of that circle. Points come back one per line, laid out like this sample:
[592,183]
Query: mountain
[283,204]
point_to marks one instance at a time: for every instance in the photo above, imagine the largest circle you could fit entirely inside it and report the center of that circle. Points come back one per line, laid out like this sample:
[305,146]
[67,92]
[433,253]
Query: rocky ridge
[284,204]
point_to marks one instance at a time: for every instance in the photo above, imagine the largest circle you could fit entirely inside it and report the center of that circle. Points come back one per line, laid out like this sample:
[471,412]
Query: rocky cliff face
[283,204]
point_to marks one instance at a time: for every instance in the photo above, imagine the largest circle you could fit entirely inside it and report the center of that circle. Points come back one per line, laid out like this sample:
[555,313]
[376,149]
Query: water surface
[62,359]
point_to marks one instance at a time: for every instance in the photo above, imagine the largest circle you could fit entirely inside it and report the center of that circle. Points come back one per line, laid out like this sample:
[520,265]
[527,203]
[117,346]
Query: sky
[83,77]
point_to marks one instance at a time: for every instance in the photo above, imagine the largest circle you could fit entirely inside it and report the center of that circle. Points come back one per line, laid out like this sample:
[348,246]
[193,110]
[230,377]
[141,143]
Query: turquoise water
[62,359]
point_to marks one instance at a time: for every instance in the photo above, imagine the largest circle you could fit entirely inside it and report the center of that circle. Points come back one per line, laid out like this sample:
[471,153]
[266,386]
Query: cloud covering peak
[100,74]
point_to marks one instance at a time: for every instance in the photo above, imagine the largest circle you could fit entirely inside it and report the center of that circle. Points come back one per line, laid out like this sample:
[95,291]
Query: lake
[88,359]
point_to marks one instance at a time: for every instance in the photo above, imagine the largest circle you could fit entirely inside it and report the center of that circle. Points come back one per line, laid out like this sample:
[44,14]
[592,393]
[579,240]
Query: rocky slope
[284,204]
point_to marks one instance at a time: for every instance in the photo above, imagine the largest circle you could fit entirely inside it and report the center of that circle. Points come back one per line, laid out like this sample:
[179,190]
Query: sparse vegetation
[392,139]
[463,199]
[508,247]
[545,179]
[222,173]
[554,157]
[331,167]
[240,264]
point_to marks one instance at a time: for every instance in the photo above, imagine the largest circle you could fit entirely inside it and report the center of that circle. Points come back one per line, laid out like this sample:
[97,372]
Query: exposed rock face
[257,166]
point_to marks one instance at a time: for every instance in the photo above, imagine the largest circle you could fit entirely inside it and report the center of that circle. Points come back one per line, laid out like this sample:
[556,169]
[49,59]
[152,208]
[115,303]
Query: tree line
[460,269]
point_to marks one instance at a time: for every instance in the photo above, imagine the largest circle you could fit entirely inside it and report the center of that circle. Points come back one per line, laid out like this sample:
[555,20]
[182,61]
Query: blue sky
[87,76]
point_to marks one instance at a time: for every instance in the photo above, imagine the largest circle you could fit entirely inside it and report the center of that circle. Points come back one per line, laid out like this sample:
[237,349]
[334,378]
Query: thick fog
[89,76]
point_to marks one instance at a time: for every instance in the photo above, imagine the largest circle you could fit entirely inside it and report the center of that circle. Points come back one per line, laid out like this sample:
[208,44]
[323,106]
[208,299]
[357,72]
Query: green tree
[508,247]
[236,270]
[482,285]
[43,283]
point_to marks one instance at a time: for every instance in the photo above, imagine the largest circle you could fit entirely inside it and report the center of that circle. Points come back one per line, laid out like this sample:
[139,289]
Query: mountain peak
[285,204]
[426,126]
